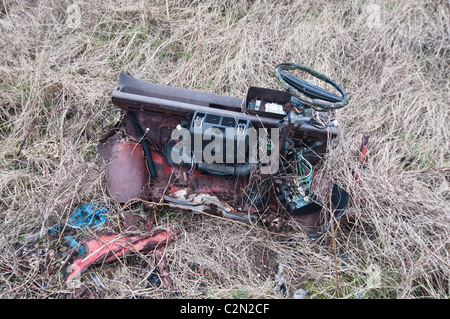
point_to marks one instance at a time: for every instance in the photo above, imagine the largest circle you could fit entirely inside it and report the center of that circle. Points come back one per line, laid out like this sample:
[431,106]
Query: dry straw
[59,62]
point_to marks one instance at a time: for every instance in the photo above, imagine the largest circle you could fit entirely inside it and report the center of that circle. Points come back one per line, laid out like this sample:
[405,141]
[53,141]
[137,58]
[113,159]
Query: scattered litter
[301,293]
[279,278]
[163,270]
[153,279]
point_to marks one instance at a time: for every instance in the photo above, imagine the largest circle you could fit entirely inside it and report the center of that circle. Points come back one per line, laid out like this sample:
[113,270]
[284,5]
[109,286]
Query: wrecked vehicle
[252,159]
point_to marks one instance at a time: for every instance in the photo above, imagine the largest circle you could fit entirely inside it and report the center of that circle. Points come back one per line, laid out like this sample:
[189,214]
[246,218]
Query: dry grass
[55,86]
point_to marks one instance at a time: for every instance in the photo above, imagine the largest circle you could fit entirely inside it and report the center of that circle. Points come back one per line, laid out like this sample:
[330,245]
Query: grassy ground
[59,63]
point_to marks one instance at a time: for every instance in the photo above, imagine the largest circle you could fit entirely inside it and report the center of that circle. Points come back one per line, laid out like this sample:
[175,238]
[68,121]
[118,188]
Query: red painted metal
[109,247]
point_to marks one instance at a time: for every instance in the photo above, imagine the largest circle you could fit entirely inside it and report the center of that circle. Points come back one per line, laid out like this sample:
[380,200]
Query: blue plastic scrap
[87,215]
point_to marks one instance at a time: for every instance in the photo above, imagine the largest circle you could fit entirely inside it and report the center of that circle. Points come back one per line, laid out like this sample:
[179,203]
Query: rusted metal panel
[126,171]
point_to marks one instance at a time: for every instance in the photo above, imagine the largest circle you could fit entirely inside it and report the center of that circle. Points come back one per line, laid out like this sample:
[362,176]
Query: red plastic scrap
[362,158]
[109,247]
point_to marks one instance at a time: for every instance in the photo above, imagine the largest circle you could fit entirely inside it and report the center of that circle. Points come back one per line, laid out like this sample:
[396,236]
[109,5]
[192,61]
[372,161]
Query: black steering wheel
[309,94]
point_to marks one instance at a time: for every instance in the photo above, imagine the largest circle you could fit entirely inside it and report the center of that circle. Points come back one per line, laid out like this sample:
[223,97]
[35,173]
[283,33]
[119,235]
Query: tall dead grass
[56,77]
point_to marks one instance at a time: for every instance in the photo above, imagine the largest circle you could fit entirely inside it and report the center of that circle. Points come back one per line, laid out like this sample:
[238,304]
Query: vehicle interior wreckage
[252,159]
